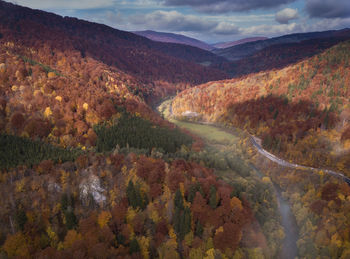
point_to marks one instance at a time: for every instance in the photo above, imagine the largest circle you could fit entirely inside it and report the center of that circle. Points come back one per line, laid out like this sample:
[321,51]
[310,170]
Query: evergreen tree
[178,201]
[134,246]
[20,218]
[71,219]
[212,198]
[131,195]
[199,229]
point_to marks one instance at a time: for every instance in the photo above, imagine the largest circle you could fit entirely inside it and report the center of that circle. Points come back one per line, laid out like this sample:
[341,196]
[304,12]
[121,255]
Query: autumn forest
[91,168]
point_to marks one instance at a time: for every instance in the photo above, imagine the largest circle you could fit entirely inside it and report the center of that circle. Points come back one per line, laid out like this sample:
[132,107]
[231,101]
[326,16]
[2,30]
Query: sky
[207,20]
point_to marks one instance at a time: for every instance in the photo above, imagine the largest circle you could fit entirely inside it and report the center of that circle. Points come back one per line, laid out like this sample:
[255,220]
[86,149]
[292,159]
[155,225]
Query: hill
[248,49]
[301,109]
[87,168]
[223,45]
[150,62]
[174,38]
[280,55]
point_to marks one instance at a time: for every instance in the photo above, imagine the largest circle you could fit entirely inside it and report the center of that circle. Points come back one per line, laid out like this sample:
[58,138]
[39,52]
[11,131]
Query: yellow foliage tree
[71,237]
[144,245]
[16,246]
[103,218]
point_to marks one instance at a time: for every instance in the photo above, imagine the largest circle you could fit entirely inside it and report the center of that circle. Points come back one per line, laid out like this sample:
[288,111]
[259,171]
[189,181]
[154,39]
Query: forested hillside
[174,38]
[154,63]
[250,48]
[60,97]
[281,55]
[87,168]
[301,112]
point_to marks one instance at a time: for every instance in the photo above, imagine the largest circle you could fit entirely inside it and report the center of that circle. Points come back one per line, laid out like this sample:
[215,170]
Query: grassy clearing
[207,132]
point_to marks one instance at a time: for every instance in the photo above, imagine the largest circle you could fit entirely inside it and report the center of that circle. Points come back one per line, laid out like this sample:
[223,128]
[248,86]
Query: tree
[178,201]
[134,246]
[199,229]
[17,121]
[71,219]
[135,197]
[20,218]
[212,197]
[17,245]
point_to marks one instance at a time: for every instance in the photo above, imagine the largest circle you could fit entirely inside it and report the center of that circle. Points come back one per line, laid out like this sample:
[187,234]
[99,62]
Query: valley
[143,144]
[218,140]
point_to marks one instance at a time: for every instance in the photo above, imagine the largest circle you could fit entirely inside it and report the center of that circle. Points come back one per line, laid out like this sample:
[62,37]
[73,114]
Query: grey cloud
[224,6]
[271,30]
[224,28]
[328,8]
[173,21]
[177,22]
[285,15]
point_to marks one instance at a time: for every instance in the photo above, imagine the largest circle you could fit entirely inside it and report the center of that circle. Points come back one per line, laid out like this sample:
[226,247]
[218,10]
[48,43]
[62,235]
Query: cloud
[285,15]
[328,24]
[64,4]
[225,28]
[177,22]
[172,21]
[271,30]
[224,6]
[328,8]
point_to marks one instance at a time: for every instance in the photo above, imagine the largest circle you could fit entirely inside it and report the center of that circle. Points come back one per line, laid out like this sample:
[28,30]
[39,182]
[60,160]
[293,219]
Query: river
[289,248]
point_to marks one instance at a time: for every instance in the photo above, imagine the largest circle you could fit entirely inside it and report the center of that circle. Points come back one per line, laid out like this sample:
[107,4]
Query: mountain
[281,55]
[287,108]
[87,168]
[148,61]
[300,114]
[174,38]
[248,49]
[223,45]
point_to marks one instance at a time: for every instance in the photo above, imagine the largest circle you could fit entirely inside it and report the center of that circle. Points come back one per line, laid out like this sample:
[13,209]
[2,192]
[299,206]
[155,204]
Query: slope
[174,38]
[281,55]
[248,49]
[224,45]
[301,109]
[149,61]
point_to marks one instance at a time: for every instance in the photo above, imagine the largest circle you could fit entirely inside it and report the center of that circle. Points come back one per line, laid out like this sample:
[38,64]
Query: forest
[300,113]
[89,170]
[80,179]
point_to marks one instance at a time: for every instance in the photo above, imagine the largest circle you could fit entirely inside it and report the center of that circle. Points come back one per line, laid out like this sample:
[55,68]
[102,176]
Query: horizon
[207,21]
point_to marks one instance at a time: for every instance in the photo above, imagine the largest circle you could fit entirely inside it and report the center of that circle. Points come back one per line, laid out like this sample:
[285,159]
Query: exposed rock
[53,186]
[91,185]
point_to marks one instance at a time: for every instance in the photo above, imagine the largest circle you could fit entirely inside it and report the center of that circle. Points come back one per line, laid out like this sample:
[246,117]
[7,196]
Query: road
[278,160]
[291,165]
[289,249]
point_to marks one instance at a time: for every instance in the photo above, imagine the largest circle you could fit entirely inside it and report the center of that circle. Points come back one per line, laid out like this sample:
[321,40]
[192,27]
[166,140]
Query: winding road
[291,165]
[289,249]
[278,160]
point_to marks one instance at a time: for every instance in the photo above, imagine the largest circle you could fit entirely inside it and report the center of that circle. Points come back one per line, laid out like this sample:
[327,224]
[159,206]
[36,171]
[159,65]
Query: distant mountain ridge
[223,45]
[174,38]
[281,55]
[250,48]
